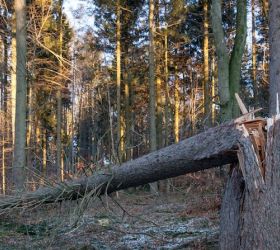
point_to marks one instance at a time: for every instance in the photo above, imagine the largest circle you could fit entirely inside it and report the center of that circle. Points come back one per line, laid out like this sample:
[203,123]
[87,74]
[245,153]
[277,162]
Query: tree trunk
[223,59]
[127,86]
[166,90]
[44,152]
[213,91]
[72,116]
[59,165]
[113,154]
[206,83]
[250,210]
[19,158]
[152,87]
[5,67]
[159,110]
[254,52]
[4,104]
[274,46]
[13,78]
[212,148]
[236,54]
[29,130]
[120,130]
[177,106]
[3,160]
[158,81]
[229,67]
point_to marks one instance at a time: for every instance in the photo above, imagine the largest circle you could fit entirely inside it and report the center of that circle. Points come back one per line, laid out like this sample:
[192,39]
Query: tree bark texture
[152,87]
[13,78]
[237,53]
[120,139]
[60,170]
[206,82]
[229,64]
[254,50]
[274,46]
[19,158]
[223,59]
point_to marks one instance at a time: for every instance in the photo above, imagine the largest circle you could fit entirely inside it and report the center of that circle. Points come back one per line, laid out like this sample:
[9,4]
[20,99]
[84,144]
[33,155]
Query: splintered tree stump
[250,215]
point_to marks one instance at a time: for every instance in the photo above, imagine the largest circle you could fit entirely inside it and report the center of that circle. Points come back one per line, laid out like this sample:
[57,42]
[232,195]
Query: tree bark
[274,46]
[213,91]
[152,86]
[250,210]
[254,51]
[166,90]
[13,77]
[59,165]
[206,83]
[120,128]
[235,62]
[176,106]
[223,59]
[19,159]
[229,64]
[127,108]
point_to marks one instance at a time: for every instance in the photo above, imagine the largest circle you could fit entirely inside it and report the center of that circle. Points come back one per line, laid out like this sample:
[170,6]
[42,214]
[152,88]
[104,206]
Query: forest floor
[186,218]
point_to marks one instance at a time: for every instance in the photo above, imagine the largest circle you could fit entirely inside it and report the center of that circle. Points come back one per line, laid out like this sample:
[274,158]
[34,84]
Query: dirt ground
[186,218]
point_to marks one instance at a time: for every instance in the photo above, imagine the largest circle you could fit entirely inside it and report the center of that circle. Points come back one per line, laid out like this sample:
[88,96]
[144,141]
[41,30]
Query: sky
[71,9]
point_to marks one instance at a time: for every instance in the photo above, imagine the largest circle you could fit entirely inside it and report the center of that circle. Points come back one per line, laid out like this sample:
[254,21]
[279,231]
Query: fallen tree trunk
[215,147]
[250,216]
